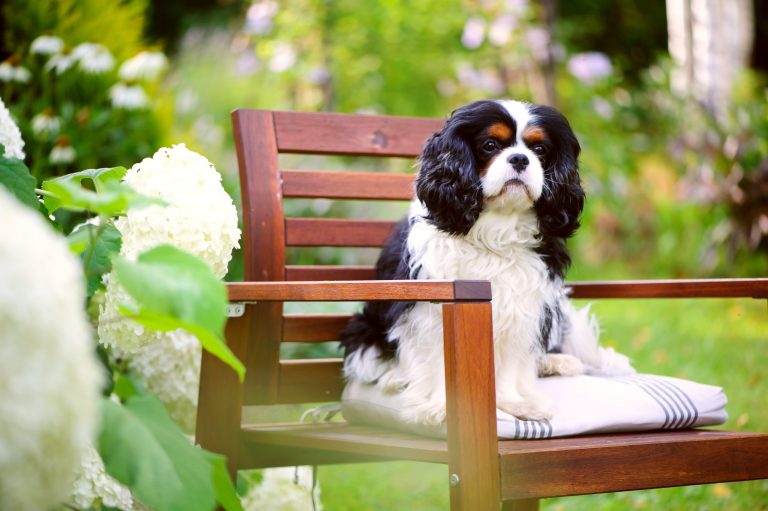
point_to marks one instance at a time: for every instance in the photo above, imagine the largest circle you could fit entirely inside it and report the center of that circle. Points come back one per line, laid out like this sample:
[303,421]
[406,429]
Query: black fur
[562,200]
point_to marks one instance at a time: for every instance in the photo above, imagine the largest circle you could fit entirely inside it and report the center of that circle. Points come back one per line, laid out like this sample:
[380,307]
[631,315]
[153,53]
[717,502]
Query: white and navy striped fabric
[582,404]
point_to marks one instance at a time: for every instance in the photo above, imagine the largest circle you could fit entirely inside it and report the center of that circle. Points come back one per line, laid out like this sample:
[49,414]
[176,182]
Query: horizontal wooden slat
[714,288]
[366,290]
[310,381]
[349,438]
[335,232]
[361,135]
[330,273]
[608,463]
[347,185]
[313,327]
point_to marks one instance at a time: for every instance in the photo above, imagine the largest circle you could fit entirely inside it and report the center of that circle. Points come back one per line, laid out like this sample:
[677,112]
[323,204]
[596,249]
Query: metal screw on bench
[454,480]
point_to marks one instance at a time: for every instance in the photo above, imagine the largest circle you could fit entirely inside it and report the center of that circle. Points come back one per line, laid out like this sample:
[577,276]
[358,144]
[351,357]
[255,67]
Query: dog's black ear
[562,199]
[448,184]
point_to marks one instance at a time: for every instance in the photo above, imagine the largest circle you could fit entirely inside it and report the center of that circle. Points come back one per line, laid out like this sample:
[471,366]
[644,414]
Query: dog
[497,194]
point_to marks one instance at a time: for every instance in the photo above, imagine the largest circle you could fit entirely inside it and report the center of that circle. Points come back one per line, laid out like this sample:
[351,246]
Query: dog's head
[505,156]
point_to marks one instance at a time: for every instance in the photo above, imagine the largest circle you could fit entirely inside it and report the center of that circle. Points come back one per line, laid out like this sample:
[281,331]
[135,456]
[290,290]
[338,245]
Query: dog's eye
[491,145]
[539,149]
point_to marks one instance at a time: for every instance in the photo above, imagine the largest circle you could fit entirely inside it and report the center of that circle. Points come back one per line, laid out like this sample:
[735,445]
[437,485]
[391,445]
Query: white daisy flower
[146,65]
[10,135]
[10,72]
[46,124]
[62,153]
[46,45]
[60,63]
[49,375]
[93,58]
[129,97]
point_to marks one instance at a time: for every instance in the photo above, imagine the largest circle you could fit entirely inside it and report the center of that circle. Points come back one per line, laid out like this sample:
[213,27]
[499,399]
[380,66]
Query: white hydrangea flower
[49,375]
[146,65]
[46,45]
[283,489]
[200,218]
[94,488]
[93,58]
[129,97]
[10,136]
[170,366]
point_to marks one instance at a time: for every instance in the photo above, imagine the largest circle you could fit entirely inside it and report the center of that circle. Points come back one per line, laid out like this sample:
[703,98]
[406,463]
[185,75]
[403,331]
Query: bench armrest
[362,290]
[710,288]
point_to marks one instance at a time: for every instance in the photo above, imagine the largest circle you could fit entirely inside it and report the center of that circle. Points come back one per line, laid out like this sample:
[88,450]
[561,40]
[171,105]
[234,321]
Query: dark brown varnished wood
[409,290]
[309,273]
[361,135]
[471,406]
[313,327]
[347,185]
[712,288]
[335,232]
[310,381]
[631,461]
[263,243]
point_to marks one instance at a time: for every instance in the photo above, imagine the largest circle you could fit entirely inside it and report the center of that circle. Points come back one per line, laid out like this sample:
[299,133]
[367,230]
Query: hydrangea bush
[49,375]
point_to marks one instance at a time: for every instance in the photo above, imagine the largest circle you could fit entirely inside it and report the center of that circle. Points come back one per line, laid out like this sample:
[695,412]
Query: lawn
[720,342]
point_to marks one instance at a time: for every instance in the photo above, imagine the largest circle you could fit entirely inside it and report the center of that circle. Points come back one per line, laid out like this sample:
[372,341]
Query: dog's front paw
[526,410]
[558,364]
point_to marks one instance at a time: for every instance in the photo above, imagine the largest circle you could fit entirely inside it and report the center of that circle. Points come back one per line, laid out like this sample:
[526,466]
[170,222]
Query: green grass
[722,342]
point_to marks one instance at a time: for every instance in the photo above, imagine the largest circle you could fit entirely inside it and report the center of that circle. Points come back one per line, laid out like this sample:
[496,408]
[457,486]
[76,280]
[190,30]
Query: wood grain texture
[220,398]
[347,185]
[293,272]
[257,455]
[361,135]
[713,288]
[347,438]
[263,243]
[520,505]
[471,406]
[375,290]
[336,232]
[310,381]
[632,461]
[313,327]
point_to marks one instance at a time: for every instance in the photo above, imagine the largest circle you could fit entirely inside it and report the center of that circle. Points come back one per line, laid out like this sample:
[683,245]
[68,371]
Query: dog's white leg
[559,364]
[516,389]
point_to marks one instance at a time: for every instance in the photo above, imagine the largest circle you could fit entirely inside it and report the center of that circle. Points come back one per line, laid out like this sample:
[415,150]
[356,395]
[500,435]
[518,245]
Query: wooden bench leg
[520,505]
[471,404]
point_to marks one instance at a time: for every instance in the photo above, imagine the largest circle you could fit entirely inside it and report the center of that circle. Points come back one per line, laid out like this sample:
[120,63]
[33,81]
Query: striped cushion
[582,404]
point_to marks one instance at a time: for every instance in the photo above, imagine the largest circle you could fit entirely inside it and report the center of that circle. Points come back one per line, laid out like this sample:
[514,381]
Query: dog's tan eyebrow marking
[500,131]
[533,134]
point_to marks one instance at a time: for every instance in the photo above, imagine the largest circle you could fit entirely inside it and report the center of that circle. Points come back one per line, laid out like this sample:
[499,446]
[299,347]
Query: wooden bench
[483,470]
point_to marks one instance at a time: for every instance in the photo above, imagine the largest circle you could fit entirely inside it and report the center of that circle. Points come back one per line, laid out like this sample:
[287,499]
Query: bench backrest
[260,137]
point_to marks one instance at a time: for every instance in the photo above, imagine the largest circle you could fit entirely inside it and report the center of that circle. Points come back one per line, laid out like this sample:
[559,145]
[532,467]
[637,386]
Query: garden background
[674,136]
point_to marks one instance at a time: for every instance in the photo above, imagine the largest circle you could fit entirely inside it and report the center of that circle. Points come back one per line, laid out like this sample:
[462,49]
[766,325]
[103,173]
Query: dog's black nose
[519,161]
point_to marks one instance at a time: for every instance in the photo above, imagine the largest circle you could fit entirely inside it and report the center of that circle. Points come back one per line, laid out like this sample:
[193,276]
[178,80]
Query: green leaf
[222,484]
[98,259]
[144,449]
[112,198]
[15,176]
[174,289]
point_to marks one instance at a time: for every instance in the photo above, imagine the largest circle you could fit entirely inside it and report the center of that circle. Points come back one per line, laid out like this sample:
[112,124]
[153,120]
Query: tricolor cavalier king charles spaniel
[497,195]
